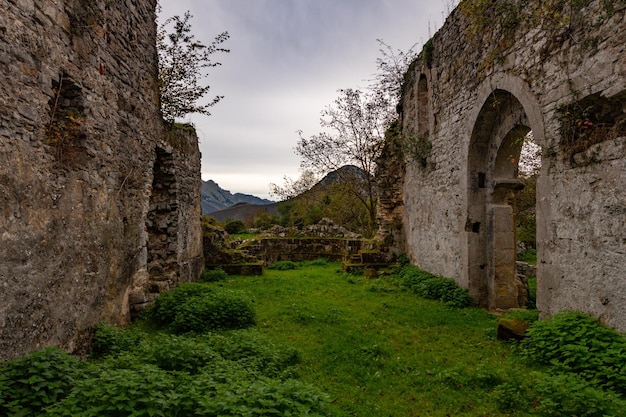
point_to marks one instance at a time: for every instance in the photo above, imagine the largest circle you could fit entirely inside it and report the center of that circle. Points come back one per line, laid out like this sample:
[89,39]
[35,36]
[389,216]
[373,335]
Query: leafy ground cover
[310,339]
[377,349]
[529,256]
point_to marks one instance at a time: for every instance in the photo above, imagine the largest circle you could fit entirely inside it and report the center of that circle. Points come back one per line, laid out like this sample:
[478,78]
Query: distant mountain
[214,198]
[347,173]
[246,210]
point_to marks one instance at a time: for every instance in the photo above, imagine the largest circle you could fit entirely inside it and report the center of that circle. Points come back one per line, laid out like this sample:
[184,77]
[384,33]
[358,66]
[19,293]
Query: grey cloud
[287,60]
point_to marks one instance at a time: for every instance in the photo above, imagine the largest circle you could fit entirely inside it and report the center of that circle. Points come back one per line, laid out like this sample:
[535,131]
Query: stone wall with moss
[81,138]
[492,74]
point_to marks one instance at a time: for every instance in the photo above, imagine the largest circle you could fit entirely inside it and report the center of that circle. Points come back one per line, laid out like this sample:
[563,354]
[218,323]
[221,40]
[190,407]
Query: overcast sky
[288,59]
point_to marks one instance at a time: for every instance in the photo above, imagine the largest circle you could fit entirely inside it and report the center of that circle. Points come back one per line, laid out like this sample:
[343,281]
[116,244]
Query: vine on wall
[415,147]
[87,14]
[589,121]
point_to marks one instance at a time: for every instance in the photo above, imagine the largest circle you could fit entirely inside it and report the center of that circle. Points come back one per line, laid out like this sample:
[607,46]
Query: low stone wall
[526,270]
[271,250]
[323,240]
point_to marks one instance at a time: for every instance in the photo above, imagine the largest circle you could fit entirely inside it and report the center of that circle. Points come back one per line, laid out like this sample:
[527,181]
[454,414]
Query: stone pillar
[504,288]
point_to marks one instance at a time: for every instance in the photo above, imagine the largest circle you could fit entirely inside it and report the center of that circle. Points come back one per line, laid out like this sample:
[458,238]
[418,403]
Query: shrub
[457,298]
[573,342]
[241,396]
[410,276]
[560,395]
[401,262]
[195,307]
[173,376]
[283,265]
[167,305]
[235,226]
[568,395]
[208,221]
[182,354]
[515,395]
[213,275]
[111,340]
[142,391]
[255,352]
[433,287]
[220,309]
[532,293]
[317,262]
[264,221]
[37,380]
[528,255]
[227,389]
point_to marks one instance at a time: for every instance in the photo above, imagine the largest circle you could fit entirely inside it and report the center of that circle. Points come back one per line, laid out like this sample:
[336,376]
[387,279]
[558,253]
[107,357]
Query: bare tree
[353,131]
[291,188]
[354,128]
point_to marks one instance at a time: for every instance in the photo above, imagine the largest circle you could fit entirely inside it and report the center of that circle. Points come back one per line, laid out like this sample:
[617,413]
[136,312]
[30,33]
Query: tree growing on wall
[182,66]
[392,66]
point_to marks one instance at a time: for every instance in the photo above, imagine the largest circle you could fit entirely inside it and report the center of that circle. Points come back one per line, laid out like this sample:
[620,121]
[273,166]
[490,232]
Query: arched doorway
[493,155]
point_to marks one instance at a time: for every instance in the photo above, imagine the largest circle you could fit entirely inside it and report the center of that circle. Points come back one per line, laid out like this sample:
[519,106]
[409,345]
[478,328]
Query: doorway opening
[500,131]
[162,224]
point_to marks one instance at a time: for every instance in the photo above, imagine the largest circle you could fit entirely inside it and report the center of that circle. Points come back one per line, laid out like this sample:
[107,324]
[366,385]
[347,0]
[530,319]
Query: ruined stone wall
[296,249]
[488,77]
[80,134]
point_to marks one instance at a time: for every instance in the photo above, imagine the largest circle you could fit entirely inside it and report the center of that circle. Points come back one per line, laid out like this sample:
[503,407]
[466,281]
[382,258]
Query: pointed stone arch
[505,116]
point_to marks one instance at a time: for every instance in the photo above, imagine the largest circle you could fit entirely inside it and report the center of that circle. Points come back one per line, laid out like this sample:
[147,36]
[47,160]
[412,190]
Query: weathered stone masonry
[99,200]
[488,77]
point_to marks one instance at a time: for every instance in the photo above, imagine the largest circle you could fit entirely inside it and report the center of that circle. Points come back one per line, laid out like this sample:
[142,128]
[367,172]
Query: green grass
[243,236]
[378,350]
[326,343]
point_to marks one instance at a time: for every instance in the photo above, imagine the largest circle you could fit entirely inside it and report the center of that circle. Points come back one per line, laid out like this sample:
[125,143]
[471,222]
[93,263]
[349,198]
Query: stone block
[504,258]
[504,241]
[137,296]
[511,329]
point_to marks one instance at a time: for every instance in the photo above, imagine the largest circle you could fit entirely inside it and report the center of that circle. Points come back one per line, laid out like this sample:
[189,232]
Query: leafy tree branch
[182,64]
